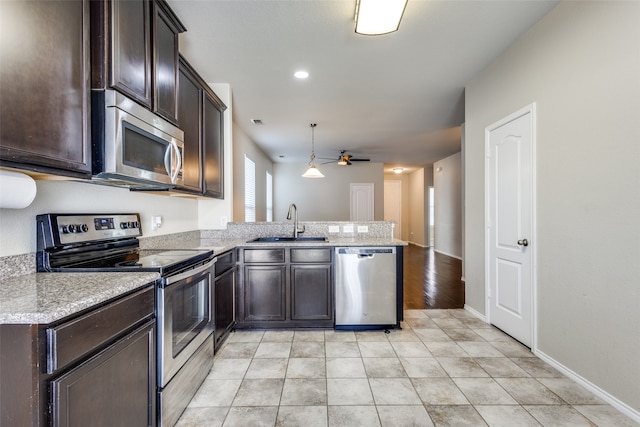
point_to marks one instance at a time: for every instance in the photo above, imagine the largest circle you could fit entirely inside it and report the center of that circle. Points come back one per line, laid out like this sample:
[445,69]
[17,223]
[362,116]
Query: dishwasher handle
[365,252]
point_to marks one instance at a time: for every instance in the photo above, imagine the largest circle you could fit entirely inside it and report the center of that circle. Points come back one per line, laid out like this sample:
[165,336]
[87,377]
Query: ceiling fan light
[375,17]
[313,172]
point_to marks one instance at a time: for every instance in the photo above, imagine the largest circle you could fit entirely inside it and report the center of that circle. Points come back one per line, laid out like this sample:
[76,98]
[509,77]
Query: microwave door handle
[175,165]
[167,159]
[178,163]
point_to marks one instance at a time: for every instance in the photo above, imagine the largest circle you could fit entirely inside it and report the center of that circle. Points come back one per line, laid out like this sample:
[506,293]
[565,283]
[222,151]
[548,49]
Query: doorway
[393,206]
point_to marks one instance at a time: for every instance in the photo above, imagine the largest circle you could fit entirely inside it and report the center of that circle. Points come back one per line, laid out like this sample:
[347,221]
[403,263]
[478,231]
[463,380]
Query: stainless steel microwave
[132,147]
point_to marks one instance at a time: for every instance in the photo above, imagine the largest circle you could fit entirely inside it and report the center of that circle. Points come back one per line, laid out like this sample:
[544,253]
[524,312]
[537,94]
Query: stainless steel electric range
[184,293]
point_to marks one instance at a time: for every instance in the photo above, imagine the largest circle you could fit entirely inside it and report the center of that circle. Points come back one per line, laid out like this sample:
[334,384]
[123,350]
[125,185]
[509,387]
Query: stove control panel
[65,229]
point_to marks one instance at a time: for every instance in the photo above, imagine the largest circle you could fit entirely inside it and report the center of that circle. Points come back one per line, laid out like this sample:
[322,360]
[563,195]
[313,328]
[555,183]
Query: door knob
[523,242]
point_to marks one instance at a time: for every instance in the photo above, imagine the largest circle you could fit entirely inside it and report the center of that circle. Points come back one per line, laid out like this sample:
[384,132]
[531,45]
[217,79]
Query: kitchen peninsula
[35,308]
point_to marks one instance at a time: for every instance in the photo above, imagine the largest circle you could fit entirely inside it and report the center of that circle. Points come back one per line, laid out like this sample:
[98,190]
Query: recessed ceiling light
[301,74]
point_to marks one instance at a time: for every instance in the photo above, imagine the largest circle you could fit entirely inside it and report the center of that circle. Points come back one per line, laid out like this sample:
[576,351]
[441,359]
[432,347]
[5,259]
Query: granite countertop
[222,245]
[47,297]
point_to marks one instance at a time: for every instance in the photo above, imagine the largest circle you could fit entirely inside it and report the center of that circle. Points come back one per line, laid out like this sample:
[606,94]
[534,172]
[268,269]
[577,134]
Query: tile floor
[444,368]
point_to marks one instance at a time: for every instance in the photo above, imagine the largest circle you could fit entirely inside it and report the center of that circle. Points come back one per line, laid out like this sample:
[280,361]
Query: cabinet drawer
[71,340]
[274,255]
[317,255]
[224,262]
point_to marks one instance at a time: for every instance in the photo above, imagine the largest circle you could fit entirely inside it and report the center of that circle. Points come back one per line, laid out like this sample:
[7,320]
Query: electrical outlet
[334,229]
[156,222]
[347,228]
[223,221]
[363,229]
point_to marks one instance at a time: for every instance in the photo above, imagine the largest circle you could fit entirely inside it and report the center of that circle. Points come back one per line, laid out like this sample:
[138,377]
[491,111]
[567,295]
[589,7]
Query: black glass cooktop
[162,261]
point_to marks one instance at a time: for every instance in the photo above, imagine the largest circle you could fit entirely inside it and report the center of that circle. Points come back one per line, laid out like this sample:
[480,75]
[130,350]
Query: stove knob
[135,224]
[65,229]
[124,225]
[72,228]
[84,228]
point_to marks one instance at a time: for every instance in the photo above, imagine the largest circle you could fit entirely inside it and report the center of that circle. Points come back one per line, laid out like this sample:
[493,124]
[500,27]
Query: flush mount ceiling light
[301,74]
[375,17]
[313,171]
[397,170]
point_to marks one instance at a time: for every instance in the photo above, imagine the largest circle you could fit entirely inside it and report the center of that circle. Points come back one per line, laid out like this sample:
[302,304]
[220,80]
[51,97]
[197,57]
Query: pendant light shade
[313,171]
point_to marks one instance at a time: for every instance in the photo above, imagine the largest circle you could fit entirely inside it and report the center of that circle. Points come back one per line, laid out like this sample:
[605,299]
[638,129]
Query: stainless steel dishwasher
[366,288]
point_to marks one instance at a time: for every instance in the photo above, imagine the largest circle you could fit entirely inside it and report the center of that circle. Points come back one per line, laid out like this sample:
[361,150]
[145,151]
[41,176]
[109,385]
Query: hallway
[431,280]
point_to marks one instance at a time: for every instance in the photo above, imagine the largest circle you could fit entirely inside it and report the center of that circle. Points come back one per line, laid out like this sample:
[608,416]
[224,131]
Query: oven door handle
[173,279]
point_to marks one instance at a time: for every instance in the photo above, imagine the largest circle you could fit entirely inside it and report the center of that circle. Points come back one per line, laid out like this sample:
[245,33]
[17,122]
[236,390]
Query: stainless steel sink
[287,239]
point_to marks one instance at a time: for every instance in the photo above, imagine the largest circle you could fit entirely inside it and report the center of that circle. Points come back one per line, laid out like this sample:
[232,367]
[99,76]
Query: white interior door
[509,190]
[393,205]
[361,202]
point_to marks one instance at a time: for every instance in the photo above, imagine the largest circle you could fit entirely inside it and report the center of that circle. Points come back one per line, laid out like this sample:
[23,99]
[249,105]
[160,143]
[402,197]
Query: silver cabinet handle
[523,242]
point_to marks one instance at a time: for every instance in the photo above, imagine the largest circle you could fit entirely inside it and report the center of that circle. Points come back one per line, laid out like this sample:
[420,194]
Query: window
[269,197]
[249,190]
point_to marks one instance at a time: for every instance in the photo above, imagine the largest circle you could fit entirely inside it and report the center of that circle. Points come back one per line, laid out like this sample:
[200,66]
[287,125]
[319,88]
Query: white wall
[18,226]
[328,198]
[581,66]
[243,145]
[447,182]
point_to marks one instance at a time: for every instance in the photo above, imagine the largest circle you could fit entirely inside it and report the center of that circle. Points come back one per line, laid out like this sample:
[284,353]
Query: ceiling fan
[345,159]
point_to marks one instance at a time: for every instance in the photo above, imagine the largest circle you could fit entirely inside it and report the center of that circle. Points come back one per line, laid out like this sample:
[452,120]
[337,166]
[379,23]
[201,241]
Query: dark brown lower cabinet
[115,387]
[97,368]
[311,292]
[285,288]
[265,292]
[224,305]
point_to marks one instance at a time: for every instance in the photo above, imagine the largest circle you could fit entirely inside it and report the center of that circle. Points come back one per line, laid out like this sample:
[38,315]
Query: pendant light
[313,171]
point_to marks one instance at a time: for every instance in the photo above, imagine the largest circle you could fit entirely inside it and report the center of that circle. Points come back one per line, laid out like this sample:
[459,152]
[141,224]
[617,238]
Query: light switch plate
[348,228]
[363,229]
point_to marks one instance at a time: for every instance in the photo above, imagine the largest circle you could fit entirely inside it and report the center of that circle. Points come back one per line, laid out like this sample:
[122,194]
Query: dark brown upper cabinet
[135,51]
[200,116]
[45,87]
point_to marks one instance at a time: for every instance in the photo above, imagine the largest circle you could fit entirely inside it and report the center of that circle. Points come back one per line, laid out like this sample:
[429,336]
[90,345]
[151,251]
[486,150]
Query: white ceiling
[396,98]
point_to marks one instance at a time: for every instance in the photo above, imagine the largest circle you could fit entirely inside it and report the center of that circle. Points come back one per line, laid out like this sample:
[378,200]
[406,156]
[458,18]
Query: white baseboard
[451,255]
[602,394]
[475,313]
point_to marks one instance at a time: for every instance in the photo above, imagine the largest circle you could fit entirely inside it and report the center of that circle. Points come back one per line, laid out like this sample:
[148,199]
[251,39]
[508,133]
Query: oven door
[184,318]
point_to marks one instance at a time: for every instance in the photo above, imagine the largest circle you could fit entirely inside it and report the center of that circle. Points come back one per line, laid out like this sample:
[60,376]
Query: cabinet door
[213,148]
[131,49]
[165,64]
[44,86]
[224,305]
[264,292]
[116,387]
[311,292]
[189,121]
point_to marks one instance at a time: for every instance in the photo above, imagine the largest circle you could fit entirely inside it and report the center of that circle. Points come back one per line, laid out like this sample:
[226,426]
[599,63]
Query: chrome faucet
[296,230]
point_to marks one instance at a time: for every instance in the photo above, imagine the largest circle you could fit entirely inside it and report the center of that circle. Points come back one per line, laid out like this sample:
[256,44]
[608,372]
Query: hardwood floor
[431,280]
